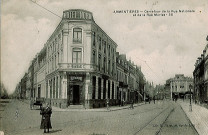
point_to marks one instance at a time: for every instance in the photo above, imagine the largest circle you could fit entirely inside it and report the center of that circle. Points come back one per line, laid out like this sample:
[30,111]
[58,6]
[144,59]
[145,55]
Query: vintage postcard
[113,67]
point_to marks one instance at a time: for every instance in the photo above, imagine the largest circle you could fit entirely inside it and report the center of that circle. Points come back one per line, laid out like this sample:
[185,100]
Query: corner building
[80,63]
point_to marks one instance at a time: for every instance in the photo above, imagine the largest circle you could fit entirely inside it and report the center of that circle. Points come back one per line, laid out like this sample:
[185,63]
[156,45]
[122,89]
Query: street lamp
[190,106]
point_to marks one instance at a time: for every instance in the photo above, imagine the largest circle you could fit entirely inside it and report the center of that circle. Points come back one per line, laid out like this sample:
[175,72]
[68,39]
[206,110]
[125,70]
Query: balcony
[77,66]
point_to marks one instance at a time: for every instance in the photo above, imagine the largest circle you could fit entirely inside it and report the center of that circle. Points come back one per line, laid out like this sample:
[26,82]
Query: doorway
[76,95]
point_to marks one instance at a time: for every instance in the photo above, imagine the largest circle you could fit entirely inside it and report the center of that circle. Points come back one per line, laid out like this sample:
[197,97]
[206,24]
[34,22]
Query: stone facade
[201,77]
[77,65]
[180,86]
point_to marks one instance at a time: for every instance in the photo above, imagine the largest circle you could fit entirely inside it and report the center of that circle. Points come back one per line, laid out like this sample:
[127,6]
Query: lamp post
[190,106]
[144,94]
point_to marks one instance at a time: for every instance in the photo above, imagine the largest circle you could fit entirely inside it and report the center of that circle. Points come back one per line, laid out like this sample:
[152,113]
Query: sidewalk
[113,108]
[198,116]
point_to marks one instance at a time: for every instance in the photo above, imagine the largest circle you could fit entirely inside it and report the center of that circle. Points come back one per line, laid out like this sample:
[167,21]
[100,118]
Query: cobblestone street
[164,117]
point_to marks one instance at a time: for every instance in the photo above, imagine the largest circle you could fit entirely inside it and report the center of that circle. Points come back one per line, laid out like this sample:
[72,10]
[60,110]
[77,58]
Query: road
[162,118]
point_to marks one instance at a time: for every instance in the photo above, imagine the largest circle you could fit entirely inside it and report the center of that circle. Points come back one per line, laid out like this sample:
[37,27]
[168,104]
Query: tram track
[148,123]
[168,121]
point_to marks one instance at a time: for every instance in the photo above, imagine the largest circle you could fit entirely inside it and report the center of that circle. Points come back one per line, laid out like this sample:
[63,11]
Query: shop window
[108,89]
[99,88]
[104,89]
[93,87]
[112,90]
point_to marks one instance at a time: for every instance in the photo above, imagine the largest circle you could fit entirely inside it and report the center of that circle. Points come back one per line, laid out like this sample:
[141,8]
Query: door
[76,95]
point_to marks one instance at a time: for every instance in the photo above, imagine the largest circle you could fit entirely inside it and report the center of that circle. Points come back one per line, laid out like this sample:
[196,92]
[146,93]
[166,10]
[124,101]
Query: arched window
[77,35]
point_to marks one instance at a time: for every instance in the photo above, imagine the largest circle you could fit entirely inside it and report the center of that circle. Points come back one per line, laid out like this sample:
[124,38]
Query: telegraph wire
[120,49]
[45,8]
[145,64]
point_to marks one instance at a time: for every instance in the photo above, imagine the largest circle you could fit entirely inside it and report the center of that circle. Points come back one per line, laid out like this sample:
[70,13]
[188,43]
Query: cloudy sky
[163,46]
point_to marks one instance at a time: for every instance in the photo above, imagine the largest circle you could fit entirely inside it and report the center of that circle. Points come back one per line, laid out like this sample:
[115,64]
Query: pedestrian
[107,103]
[31,104]
[46,115]
[154,99]
[132,104]
[149,100]
[124,102]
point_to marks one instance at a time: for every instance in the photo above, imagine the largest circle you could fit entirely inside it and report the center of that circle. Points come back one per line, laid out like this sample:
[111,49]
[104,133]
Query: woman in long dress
[46,118]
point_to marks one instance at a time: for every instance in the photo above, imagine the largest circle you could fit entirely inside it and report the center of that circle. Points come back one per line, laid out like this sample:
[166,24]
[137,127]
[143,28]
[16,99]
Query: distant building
[130,80]
[179,86]
[200,74]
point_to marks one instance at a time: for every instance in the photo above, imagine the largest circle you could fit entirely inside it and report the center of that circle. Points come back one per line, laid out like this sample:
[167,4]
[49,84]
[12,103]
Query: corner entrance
[75,94]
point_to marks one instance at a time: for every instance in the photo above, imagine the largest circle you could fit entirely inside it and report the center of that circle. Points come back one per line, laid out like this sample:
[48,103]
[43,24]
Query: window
[112,69]
[104,46]
[93,57]
[113,53]
[54,88]
[77,14]
[59,39]
[56,42]
[109,50]
[73,14]
[99,64]
[93,38]
[55,62]
[39,90]
[104,68]
[57,87]
[50,85]
[53,46]
[77,35]
[76,57]
[109,67]
[99,40]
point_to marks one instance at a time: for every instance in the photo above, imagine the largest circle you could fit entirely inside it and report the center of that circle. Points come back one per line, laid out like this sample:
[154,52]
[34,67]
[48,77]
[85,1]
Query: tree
[3,92]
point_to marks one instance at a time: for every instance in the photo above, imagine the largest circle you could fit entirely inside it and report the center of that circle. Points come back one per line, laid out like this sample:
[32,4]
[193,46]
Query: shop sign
[75,78]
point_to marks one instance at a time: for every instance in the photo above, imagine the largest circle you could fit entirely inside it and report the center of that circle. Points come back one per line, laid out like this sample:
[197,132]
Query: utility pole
[190,106]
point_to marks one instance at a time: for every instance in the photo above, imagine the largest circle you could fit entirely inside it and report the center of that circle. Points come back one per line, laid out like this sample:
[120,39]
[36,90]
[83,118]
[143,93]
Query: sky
[163,46]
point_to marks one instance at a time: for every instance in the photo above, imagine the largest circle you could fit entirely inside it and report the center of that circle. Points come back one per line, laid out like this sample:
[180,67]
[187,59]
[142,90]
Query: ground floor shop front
[92,90]
[87,89]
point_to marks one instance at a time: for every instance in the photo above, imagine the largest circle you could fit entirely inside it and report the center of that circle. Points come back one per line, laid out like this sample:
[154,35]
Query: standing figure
[107,103]
[31,104]
[46,115]
[132,104]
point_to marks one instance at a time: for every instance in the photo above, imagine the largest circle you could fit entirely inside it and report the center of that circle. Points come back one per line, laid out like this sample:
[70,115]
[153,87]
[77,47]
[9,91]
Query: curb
[189,119]
[94,110]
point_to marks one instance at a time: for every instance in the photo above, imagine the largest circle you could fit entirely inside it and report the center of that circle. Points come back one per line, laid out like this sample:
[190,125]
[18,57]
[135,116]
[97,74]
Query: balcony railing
[77,66]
